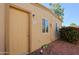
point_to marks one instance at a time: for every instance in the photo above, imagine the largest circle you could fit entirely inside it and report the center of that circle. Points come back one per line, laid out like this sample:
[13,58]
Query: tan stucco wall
[2,28]
[18,31]
[59,22]
[59,25]
[37,38]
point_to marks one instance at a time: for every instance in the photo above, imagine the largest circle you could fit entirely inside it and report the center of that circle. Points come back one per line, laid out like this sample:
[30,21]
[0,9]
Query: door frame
[7,6]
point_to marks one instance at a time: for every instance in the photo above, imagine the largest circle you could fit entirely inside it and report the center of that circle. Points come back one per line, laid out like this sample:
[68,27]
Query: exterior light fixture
[33,15]
[34,22]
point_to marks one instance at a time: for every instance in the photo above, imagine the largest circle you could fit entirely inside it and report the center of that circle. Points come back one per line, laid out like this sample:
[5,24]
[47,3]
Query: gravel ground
[59,47]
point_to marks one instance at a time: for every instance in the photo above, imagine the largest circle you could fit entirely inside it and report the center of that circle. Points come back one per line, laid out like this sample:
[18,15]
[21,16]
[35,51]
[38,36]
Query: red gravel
[64,48]
[60,47]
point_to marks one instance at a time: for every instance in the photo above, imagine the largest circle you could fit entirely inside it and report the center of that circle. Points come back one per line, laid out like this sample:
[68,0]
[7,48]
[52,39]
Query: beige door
[18,31]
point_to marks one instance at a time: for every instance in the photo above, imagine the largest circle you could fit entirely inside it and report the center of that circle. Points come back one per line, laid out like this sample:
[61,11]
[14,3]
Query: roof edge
[40,5]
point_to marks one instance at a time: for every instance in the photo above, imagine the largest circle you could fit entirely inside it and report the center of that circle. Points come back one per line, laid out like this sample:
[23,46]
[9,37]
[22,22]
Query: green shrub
[70,34]
[45,46]
[78,32]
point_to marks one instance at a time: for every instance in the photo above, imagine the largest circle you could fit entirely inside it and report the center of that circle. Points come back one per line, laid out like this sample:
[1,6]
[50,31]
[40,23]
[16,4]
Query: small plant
[45,46]
[70,34]
[44,49]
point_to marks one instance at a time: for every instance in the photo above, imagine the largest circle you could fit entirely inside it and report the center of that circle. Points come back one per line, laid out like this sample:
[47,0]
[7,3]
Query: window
[44,25]
[57,29]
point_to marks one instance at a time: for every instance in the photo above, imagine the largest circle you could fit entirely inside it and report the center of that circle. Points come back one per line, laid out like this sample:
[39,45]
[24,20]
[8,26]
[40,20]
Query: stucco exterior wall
[59,25]
[37,38]
[2,28]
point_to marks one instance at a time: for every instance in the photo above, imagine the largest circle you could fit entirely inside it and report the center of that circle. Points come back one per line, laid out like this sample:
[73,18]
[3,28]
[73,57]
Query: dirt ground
[59,47]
